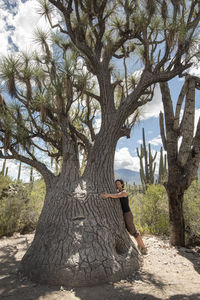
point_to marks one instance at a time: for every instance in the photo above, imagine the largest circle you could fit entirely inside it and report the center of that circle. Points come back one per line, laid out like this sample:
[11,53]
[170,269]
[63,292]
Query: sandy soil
[167,273]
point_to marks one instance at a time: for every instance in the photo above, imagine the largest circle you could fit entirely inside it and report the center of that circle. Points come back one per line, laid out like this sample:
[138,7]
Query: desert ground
[167,273]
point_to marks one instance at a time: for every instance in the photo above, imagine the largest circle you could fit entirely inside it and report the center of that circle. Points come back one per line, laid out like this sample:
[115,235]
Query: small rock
[184,264]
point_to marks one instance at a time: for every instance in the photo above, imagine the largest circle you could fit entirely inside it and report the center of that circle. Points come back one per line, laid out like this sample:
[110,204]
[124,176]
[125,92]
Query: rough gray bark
[92,246]
[80,238]
[176,217]
[183,162]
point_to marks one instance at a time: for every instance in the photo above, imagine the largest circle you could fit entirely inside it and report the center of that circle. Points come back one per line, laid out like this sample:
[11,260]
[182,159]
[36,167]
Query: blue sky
[17,24]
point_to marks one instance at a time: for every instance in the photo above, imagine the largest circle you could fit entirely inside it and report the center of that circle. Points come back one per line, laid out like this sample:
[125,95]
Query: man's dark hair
[120,180]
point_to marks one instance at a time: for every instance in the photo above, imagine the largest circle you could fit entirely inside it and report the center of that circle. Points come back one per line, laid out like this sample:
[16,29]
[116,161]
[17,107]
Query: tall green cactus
[3,168]
[6,171]
[147,170]
[31,174]
[19,171]
[162,167]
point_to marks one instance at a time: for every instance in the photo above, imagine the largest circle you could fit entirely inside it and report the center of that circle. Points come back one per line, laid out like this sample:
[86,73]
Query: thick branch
[187,124]
[179,105]
[40,167]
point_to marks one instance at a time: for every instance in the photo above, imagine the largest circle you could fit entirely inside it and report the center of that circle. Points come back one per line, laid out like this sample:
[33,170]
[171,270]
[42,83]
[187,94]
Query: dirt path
[167,273]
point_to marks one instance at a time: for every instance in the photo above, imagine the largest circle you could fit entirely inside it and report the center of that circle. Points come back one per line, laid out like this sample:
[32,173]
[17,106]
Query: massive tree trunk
[80,238]
[176,218]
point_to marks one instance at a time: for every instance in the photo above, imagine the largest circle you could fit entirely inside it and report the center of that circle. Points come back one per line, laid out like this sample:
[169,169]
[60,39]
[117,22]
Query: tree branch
[40,167]
[179,105]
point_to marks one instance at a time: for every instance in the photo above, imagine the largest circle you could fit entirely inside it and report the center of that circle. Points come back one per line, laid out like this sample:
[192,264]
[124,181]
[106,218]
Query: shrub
[4,183]
[31,211]
[20,207]
[150,210]
[12,202]
[191,206]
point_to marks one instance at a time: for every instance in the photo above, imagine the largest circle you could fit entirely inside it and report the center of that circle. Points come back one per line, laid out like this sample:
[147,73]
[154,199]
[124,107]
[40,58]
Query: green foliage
[20,205]
[151,210]
[31,211]
[191,208]
[4,183]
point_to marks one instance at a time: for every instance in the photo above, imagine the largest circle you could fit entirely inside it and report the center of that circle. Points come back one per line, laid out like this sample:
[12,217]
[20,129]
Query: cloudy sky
[18,21]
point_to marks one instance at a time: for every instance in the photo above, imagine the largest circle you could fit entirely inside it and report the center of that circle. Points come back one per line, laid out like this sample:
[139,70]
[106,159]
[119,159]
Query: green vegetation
[21,204]
[150,211]
[192,213]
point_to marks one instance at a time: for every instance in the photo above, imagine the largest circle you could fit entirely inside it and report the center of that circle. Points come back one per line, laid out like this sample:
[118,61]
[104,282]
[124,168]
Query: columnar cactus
[162,167]
[31,174]
[3,167]
[147,170]
[19,171]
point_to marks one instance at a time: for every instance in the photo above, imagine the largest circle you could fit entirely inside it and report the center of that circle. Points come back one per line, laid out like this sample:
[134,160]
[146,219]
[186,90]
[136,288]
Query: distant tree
[57,96]
[183,159]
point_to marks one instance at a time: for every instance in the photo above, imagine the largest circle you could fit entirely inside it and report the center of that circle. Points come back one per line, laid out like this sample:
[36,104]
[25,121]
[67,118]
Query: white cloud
[156,141]
[26,21]
[124,160]
[140,141]
[97,123]
[4,33]
[153,108]
[18,24]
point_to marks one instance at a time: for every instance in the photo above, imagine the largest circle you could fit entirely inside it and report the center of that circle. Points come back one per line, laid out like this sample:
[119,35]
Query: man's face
[119,185]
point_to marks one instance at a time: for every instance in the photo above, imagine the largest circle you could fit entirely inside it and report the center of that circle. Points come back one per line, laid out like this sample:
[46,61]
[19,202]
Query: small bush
[191,206]
[31,211]
[4,183]
[12,203]
[20,207]
[150,210]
